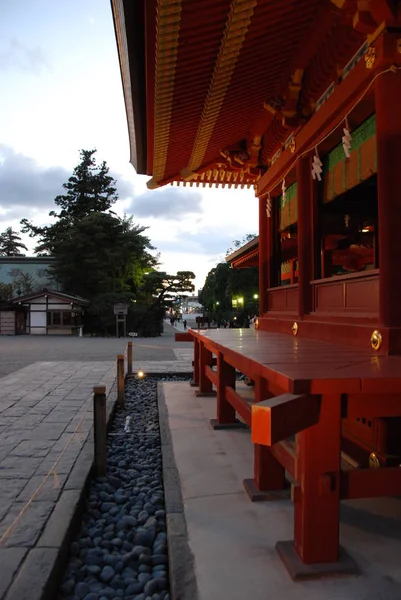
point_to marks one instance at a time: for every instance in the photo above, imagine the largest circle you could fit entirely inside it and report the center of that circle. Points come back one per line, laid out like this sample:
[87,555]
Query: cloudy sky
[60,92]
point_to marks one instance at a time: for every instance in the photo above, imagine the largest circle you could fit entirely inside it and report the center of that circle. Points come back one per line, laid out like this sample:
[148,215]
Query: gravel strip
[121,549]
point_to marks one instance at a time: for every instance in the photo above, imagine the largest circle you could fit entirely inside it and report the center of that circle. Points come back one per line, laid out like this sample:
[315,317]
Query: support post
[316,499]
[261,389]
[129,358]
[388,136]
[305,251]
[205,358]
[99,429]
[120,381]
[195,380]
[263,258]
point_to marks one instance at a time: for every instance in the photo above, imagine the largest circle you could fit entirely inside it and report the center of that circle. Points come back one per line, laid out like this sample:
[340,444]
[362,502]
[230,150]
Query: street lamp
[255,296]
[240,300]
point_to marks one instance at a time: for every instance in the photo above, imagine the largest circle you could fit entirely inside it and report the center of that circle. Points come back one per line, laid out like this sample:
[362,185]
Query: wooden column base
[300,571]
[193,383]
[236,425]
[205,394]
[257,495]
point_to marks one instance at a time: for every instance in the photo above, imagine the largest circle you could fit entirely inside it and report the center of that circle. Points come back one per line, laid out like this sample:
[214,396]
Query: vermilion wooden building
[298,99]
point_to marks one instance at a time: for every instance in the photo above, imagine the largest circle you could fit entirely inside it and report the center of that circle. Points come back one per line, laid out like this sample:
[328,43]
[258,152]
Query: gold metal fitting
[373,461]
[370,58]
[256,323]
[294,329]
[292,146]
[376,340]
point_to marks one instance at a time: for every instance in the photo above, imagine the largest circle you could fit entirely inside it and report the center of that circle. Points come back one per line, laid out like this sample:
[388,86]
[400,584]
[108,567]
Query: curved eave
[128,17]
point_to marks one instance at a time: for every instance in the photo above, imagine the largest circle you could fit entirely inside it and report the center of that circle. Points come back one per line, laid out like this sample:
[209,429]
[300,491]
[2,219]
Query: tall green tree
[89,190]
[97,255]
[11,244]
[223,284]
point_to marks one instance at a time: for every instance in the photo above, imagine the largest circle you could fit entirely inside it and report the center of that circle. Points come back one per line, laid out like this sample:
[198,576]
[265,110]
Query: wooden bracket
[276,419]
[183,337]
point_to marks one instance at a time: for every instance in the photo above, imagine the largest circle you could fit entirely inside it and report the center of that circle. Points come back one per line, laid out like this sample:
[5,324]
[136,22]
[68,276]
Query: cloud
[27,187]
[212,242]
[17,54]
[172,203]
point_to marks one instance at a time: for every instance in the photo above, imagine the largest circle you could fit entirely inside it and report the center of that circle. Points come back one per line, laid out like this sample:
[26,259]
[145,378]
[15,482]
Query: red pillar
[305,250]
[225,412]
[268,474]
[195,381]
[263,257]
[388,140]
[205,358]
[317,494]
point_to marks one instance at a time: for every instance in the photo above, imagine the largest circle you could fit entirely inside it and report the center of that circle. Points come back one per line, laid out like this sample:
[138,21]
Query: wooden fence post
[129,358]
[120,381]
[99,429]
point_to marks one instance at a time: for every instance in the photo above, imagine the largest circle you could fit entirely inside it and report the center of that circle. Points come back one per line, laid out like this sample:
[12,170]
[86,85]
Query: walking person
[185,323]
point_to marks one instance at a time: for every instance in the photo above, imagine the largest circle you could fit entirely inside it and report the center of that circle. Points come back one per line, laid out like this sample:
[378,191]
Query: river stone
[134,588]
[82,589]
[107,573]
[151,587]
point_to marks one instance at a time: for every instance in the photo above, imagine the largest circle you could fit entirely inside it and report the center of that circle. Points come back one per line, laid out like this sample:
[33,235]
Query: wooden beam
[241,406]
[276,419]
[319,126]
[370,483]
[211,375]
[372,405]
[183,337]
[285,455]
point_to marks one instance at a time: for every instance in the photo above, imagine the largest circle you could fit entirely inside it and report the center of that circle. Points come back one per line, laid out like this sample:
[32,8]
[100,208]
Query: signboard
[121,309]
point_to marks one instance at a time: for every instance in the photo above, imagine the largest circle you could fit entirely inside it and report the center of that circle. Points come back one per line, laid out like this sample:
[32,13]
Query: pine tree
[10,243]
[90,189]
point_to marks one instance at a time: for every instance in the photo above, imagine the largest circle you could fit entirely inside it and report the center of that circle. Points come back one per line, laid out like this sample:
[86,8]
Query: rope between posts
[52,471]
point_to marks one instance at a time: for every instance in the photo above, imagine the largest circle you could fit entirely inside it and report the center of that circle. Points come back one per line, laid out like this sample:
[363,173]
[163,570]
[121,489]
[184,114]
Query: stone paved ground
[45,393]
[41,407]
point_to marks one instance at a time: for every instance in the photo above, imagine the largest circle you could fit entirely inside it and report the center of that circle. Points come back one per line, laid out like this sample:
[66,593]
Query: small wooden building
[12,319]
[49,312]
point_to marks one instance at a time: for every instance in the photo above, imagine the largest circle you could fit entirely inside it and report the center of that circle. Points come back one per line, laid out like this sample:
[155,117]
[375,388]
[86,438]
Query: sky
[60,91]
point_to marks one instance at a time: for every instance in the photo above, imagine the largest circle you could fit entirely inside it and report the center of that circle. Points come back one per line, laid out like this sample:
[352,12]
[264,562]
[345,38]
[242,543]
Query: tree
[23,283]
[97,255]
[102,254]
[238,243]
[224,284]
[10,243]
[90,190]
[161,289]
[6,291]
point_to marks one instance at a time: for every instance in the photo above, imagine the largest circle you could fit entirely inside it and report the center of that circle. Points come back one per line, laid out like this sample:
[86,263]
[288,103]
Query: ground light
[140,374]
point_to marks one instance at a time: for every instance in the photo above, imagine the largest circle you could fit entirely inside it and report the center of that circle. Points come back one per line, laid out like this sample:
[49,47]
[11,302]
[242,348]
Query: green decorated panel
[342,173]
[289,207]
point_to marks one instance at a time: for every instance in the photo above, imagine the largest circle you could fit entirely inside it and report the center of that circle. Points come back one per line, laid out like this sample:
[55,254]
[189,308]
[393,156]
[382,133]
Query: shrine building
[299,100]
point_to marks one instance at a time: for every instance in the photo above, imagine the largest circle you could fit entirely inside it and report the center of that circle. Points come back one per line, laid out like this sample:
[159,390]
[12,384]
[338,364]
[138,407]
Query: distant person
[185,323]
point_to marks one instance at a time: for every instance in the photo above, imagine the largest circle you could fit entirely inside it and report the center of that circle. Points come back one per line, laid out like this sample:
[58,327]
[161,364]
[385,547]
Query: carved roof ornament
[232,173]
[370,58]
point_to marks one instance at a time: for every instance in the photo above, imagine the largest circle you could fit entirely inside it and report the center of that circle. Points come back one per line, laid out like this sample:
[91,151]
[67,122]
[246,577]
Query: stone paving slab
[41,407]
